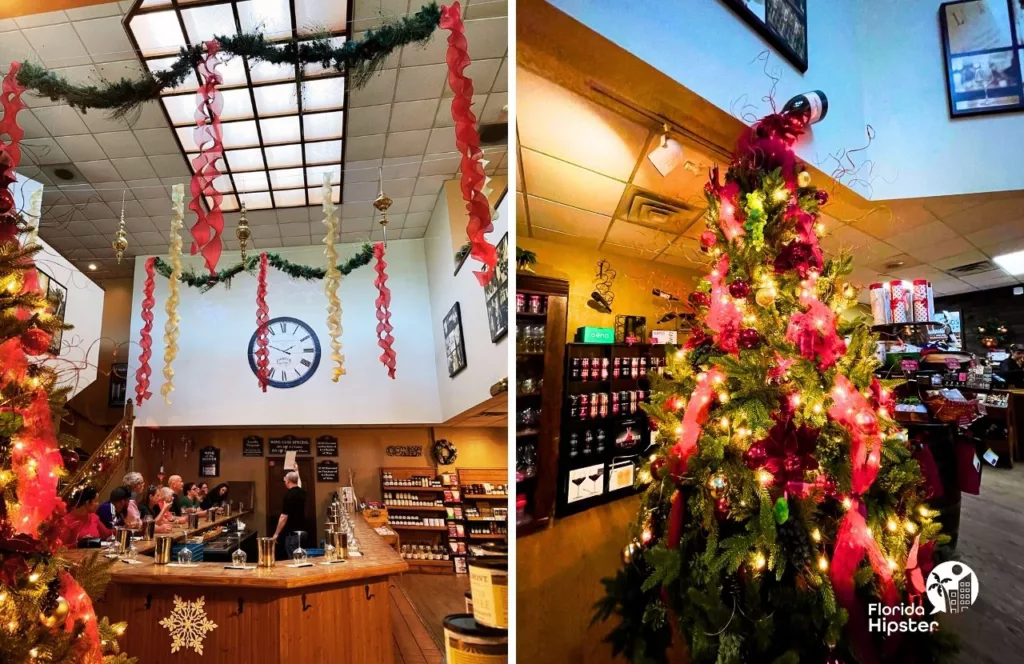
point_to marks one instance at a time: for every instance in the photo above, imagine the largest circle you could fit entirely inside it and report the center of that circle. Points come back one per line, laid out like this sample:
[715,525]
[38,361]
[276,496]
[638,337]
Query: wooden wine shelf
[438,529]
[485,496]
[390,487]
[484,519]
[415,508]
[487,536]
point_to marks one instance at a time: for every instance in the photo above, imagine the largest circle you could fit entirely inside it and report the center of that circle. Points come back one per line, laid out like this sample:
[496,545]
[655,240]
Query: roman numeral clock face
[294,352]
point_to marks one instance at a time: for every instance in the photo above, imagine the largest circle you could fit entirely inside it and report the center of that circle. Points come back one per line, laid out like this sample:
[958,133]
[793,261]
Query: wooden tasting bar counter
[146,547]
[336,613]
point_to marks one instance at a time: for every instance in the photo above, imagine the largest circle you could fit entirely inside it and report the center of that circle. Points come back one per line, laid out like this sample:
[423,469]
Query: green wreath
[445,452]
[358,60]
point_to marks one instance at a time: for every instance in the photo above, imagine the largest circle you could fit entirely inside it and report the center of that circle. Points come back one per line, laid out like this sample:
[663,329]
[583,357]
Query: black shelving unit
[604,431]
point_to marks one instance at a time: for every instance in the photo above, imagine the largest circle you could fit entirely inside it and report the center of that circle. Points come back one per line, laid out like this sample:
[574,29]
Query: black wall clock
[294,352]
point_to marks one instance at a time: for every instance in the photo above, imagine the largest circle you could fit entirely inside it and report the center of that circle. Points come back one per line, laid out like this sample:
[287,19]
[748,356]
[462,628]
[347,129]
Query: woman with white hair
[136,484]
[157,506]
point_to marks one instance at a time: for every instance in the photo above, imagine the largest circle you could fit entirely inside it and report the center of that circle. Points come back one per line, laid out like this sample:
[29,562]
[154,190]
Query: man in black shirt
[293,516]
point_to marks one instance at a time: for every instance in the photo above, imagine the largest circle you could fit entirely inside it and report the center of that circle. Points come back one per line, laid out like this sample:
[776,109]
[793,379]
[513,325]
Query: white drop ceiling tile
[357,210]
[444,111]
[368,120]
[400,205]
[429,185]
[415,219]
[80,148]
[155,206]
[1007,247]
[410,115]
[149,239]
[432,52]
[362,171]
[150,117]
[997,234]
[413,233]
[565,183]
[991,214]
[77,194]
[169,166]
[357,225]
[359,192]
[548,235]
[501,79]
[355,236]
[94,241]
[119,144]
[97,210]
[294,230]
[132,208]
[32,127]
[97,121]
[363,148]
[368,13]
[379,90]
[134,167]
[107,228]
[406,143]
[398,168]
[919,272]
[624,234]
[939,250]
[264,232]
[105,39]
[93,11]
[68,243]
[293,215]
[400,188]
[157,141]
[81,228]
[147,188]
[483,73]
[495,110]
[14,47]
[42,151]
[441,140]
[60,120]
[487,38]
[568,220]
[420,82]
[441,164]
[424,203]
[965,258]
[100,170]
[922,236]
[478,9]
[80,254]
[569,127]
[58,45]
[37,20]
[989,279]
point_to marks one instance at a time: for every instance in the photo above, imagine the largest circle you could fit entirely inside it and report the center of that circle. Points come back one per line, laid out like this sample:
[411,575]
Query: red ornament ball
[750,338]
[739,289]
[6,202]
[822,196]
[722,508]
[756,455]
[708,239]
[657,466]
[699,299]
[35,341]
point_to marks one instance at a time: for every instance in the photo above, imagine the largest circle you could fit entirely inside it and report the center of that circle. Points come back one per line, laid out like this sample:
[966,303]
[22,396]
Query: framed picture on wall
[454,344]
[782,23]
[57,302]
[983,43]
[496,294]
[118,391]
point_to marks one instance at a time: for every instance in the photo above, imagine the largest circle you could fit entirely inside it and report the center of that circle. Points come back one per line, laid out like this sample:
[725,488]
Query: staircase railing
[104,463]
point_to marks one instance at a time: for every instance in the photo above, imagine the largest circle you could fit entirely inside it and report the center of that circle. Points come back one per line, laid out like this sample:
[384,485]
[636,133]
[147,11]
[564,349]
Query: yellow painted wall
[635,280]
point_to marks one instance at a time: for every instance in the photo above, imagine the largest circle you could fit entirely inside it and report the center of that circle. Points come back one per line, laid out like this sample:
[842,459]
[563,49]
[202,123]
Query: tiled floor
[413,643]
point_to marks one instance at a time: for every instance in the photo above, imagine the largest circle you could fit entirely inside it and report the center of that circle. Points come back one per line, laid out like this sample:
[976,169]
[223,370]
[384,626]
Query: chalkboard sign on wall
[327,471]
[209,462]
[327,446]
[284,444]
[252,446]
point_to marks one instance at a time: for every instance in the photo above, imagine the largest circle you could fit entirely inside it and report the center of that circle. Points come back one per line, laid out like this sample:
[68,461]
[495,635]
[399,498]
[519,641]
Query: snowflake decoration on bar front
[188,625]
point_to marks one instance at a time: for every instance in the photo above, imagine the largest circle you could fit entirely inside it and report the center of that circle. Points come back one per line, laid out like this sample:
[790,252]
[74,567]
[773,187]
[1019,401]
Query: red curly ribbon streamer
[12,103]
[146,338]
[262,320]
[383,302]
[80,612]
[208,136]
[467,141]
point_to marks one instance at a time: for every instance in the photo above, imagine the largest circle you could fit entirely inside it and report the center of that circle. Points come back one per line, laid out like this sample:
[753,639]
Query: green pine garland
[205,282]
[358,60]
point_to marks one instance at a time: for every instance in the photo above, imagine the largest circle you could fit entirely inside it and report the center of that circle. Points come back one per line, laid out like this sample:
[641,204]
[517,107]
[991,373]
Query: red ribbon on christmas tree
[262,320]
[11,157]
[146,338]
[467,141]
[383,303]
[208,136]
[724,317]
[80,610]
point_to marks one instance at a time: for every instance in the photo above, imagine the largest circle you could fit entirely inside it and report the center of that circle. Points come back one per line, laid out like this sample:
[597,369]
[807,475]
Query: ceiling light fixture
[668,155]
[1012,263]
[92,267]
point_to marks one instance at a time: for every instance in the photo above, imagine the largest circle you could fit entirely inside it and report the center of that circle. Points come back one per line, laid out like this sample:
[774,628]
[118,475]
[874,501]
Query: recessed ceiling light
[1012,263]
[92,266]
[667,155]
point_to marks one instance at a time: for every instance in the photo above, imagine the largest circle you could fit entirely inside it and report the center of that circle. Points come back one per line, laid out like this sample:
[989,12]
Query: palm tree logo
[952,587]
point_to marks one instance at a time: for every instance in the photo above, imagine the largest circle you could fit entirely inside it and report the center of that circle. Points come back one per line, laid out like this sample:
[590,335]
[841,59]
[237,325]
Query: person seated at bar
[137,485]
[157,506]
[292,519]
[114,512]
[204,489]
[178,487]
[217,496]
[191,500]
[82,522]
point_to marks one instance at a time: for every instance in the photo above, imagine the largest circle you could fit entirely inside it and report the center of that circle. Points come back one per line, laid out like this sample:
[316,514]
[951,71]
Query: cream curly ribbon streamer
[35,212]
[171,306]
[332,280]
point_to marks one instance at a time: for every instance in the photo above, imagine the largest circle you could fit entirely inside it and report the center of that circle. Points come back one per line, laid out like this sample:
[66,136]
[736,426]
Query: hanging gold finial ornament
[382,204]
[120,242]
[242,232]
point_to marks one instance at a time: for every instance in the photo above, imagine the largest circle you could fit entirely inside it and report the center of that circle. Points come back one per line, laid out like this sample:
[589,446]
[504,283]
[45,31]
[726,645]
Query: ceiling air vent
[645,208]
[494,134]
[972,268]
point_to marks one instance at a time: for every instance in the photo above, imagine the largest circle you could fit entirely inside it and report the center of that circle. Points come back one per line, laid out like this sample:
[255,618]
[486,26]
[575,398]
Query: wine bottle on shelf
[810,107]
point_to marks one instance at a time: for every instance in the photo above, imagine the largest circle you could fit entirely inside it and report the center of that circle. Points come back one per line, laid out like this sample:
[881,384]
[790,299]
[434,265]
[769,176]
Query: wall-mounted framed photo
[983,44]
[782,23]
[454,343]
[57,303]
[496,294]
[118,391]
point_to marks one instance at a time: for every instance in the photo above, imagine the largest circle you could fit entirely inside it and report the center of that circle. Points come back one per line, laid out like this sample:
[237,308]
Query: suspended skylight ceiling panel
[254,181]
[276,99]
[271,17]
[287,178]
[316,196]
[315,69]
[280,156]
[240,134]
[318,153]
[161,64]
[266,72]
[293,198]
[256,201]
[245,160]
[313,16]
[204,23]
[323,94]
[157,33]
[315,174]
[323,125]
[281,130]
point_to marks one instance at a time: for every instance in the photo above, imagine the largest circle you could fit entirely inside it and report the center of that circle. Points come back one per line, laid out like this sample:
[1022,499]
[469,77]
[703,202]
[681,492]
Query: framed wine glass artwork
[782,23]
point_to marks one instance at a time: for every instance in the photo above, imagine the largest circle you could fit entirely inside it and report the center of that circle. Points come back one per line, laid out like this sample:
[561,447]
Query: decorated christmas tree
[46,613]
[784,507]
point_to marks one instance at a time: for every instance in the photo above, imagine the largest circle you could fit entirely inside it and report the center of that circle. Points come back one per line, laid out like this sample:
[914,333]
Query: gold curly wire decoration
[171,306]
[332,280]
